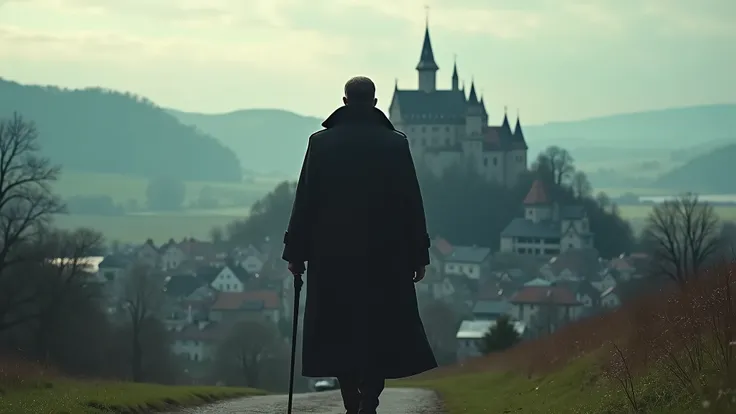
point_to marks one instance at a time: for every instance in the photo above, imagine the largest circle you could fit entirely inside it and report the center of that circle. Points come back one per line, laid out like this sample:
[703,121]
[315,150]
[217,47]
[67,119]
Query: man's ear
[375,101]
[344,100]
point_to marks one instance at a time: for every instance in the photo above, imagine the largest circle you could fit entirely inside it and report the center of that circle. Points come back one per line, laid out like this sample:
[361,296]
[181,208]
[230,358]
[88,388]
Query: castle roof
[537,194]
[426,59]
[518,136]
[426,108]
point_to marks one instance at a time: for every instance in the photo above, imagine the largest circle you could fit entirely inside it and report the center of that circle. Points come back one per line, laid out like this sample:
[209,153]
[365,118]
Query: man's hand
[419,274]
[297,268]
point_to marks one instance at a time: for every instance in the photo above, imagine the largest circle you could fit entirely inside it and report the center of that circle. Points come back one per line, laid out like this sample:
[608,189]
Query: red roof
[241,300]
[537,194]
[442,246]
[545,295]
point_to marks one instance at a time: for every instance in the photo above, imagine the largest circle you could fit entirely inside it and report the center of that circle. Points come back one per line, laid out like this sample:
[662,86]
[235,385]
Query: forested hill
[99,130]
[708,173]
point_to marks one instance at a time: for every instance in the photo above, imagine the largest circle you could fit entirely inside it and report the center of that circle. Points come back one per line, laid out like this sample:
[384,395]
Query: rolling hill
[102,131]
[615,150]
[712,173]
[265,140]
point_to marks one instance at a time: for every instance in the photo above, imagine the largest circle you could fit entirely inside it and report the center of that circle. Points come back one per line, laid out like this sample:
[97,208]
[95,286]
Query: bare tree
[561,164]
[683,234]
[54,266]
[26,207]
[143,300]
[251,343]
[581,185]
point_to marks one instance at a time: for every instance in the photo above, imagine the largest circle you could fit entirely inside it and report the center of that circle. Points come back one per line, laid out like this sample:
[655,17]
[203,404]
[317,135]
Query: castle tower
[473,114]
[427,68]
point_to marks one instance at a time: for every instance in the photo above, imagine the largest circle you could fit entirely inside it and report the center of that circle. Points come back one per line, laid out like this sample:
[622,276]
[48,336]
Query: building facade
[447,128]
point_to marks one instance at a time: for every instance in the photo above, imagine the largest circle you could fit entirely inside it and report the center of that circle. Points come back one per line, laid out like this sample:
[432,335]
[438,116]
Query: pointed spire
[505,124]
[473,98]
[426,59]
[482,104]
[396,84]
[455,77]
[519,140]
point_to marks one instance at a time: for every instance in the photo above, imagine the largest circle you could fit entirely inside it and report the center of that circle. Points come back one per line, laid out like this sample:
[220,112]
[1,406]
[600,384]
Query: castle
[447,128]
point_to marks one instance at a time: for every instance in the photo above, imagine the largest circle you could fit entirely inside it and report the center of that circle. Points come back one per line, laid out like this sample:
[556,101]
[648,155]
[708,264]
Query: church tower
[455,78]
[427,68]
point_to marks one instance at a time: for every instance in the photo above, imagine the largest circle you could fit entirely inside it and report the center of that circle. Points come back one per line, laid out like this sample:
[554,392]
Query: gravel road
[393,401]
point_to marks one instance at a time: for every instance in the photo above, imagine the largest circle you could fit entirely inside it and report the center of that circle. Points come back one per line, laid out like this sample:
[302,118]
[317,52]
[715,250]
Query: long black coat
[358,221]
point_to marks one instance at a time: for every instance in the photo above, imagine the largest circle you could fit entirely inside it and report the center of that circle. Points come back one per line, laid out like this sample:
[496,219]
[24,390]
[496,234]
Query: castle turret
[473,114]
[455,78]
[484,113]
[427,68]
[519,140]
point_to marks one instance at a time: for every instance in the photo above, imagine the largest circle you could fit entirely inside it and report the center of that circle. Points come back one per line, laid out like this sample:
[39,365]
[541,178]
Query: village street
[393,400]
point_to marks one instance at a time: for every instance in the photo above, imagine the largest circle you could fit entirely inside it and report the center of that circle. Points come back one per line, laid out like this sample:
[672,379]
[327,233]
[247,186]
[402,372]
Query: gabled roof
[114,262]
[537,194]
[182,285]
[468,254]
[541,295]
[498,307]
[446,107]
[442,246]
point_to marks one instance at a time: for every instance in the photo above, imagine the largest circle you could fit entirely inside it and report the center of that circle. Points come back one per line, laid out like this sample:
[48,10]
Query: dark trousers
[360,393]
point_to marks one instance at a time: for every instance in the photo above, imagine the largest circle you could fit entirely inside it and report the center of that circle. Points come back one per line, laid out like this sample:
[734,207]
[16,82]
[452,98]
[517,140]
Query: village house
[198,342]
[230,306]
[468,261]
[547,229]
[148,254]
[544,308]
[471,333]
[231,278]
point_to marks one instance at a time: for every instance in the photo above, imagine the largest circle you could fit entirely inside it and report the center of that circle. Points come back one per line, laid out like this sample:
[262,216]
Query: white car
[326,384]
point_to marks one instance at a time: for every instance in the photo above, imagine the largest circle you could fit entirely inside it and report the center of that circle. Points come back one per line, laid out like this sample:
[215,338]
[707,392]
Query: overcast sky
[553,59]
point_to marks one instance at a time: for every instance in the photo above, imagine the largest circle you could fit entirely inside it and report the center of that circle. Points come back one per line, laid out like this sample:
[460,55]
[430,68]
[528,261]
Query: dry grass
[667,351]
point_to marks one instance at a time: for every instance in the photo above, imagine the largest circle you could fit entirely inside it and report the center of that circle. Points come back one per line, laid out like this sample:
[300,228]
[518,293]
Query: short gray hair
[360,90]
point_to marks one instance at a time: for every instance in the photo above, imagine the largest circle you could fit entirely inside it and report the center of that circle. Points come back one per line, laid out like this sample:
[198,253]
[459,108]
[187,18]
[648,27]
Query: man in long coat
[359,223]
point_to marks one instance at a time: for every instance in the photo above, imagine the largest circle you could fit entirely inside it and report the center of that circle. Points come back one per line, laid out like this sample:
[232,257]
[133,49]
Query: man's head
[360,91]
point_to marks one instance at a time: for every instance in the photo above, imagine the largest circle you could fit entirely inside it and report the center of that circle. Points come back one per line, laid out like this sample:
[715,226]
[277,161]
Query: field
[123,188]
[138,227]
[669,352]
[26,388]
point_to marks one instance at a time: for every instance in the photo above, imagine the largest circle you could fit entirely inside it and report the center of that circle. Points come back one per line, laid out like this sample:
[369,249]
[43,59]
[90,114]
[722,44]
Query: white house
[199,341]
[469,261]
[470,336]
[172,256]
[230,279]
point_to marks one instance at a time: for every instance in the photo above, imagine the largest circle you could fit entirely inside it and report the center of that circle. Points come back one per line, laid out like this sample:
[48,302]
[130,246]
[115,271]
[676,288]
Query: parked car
[326,384]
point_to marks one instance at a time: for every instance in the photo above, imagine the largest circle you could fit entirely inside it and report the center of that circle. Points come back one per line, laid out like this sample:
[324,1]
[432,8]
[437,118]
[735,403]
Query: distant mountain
[668,129]
[265,140]
[708,173]
[98,130]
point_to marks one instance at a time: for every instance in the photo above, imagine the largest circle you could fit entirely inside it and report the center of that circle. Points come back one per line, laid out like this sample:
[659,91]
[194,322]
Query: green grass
[579,388]
[76,397]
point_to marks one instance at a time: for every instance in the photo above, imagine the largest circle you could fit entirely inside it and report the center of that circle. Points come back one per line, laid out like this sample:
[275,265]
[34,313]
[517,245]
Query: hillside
[265,140]
[96,130]
[708,173]
[666,129]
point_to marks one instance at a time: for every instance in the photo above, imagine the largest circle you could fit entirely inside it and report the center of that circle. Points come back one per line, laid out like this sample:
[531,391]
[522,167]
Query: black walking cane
[294,325]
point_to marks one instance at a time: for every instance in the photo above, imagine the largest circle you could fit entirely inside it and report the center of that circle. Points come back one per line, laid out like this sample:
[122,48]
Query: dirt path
[393,401]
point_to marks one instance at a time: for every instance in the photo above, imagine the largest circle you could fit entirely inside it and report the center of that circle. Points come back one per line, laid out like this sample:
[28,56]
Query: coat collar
[351,115]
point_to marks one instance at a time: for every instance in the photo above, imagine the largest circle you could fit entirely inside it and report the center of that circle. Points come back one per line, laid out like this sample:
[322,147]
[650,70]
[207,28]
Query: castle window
[495,161]
[485,161]
[424,129]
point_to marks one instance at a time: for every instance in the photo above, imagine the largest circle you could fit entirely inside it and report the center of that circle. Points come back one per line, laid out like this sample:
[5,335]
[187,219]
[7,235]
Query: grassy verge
[77,397]
[673,352]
